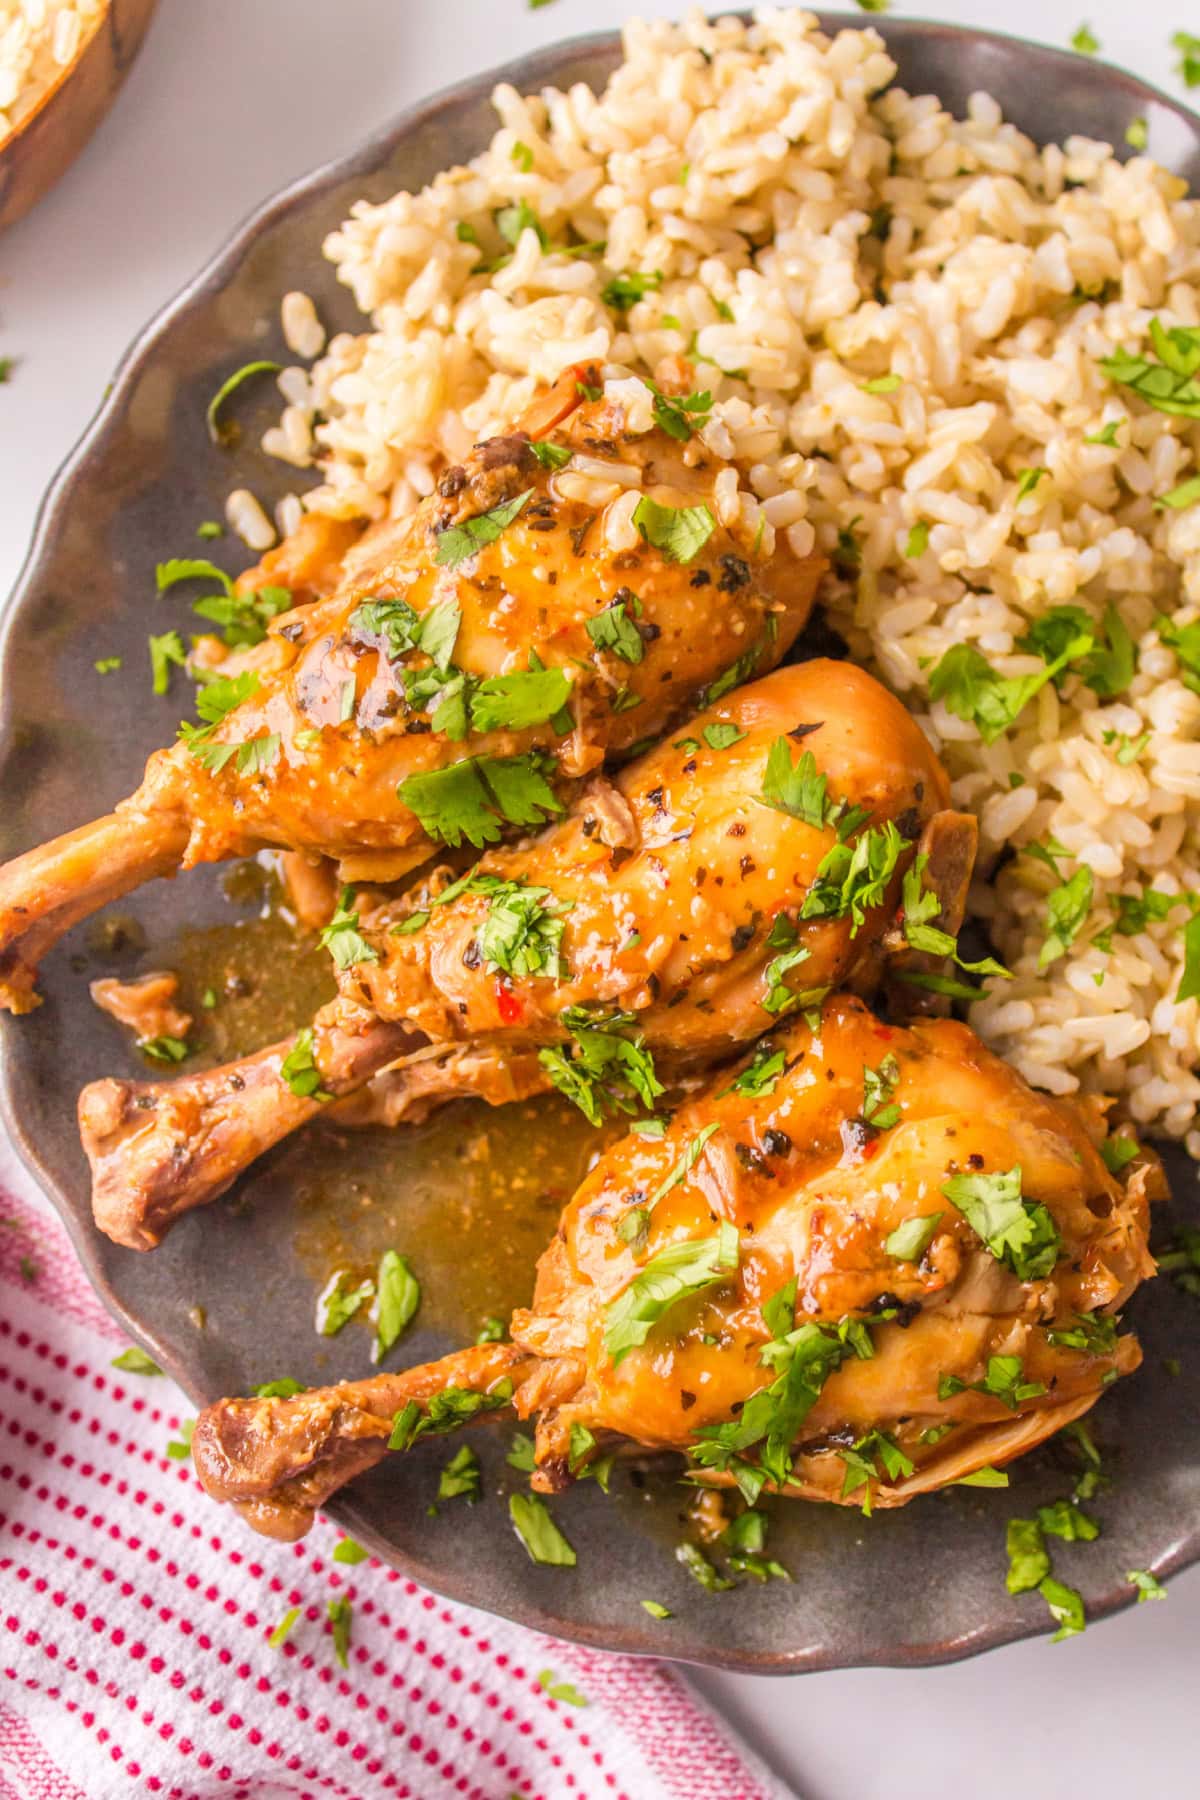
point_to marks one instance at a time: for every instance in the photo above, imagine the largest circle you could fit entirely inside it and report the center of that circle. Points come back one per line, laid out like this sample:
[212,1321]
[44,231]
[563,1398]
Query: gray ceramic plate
[922,1585]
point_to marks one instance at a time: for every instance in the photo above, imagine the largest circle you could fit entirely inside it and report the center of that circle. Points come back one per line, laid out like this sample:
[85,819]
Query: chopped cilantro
[134,1361]
[347,1551]
[560,1690]
[881,384]
[681,1270]
[461,1476]
[210,528]
[678,415]
[299,1069]
[1186,494]
[522,934]
[165,650]
[338,1302]
[275,1641]
[761,1074]
[917,541]
[1027,481]
[283,1389]
[1066,1607]
[1067,909]
[1093,1331]
[909,1242]
[1018,1232]
[656,1609]
[795,788]
[180,1448]
[972,690]
[878,1109]
[340,1614]
[459,542]
[164,1049]
[614,630]
[1181,1258]
[226,434]
[1188,46]
[684,1166]
[1117,1152]
[701,1569]
[551,456]
[1004,1381]
[1149,1587]
[537,1531]
[106,665]
[1085,41]
[722,735]
[521,1453]
[470,801]
[398,1295]
[444,1412]
[986,1477]
[522,155]
[679,532]
[1028,1558]
[1107,434]
[1168,383]
[604,1070]
[624,290]
[861,1462]
[853,877]
[342,938]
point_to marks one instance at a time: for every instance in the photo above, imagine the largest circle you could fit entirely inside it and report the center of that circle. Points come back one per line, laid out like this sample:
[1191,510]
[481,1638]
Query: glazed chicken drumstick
[725,876]
[566,593]
[866,1264]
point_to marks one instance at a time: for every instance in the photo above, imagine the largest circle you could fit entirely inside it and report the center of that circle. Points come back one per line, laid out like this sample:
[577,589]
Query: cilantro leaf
[917,541]
[605,1070]
[164,1049]
[681,1270]
[1028,1559]
[854,876]
[1094,1332]
[342,938]
[1066,1607]
[701,1569]
[459,542]
[522,934]
[1117,1152]
[515,702]
[1018,1232]
[684,1166]
[722,734]
[795,788]
[398,1295]
[1067,909]
[1169,383]
[338,1302]
[461,1476]
[537,1531]
[347,1551]
[677,415]
[624,290]
[470,801]
[340,1614]
[1186,494]
[1149,1587]
[135,1361]
[222,433]
[761,1074]
[972,690]
[878,1087]
[614,630]
[276,1639]
[679,532]
[1003,1381]
[445,1411]
[551,456]
[299,1069]
[909,1242]
[165,650]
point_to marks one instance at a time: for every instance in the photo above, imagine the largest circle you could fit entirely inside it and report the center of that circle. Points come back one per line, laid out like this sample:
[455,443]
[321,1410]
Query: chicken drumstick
[560,597]
[867,1265]
[754,860]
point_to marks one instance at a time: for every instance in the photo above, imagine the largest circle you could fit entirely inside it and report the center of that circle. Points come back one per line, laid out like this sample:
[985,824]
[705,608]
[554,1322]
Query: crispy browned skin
[670,880]
[814,1197]
[333,695]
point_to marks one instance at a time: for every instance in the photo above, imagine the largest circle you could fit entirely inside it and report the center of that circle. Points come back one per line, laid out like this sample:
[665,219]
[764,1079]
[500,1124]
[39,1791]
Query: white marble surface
[230,99]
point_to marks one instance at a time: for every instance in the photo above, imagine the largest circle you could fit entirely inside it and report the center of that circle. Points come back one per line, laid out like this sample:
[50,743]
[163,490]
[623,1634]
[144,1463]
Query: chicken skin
[747,867]
[565,594]
[867,1263]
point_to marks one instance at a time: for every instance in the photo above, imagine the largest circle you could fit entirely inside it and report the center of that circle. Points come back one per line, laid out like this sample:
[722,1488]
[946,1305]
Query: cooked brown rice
[816,229]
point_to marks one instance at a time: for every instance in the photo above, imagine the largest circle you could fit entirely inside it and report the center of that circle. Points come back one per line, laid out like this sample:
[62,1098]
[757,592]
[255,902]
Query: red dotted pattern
[134,1620]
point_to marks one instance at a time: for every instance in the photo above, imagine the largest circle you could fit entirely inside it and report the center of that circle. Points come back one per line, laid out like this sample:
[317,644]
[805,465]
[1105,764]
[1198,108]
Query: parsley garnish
[684,1166]
[347,1551]
[551,456]
[761,1075]
[656,1609]
[226,434]
[1103,656]
[1028,1559]
[165,650]
[537,1531]
[778,995]
[614,630]
[1085,41]
[163,1049]
[722,735]
[283,1389]
[623,290]
[134,1361]
[106,665]
[1168,384]
[275,1641]
[459,542]
[1066,1608]
[397,628]
[342,938]
[701,1570]
[1094,1332]
[677,1272]
[1067,909]
[501,702]
[398,1295]
[461,1476]
[679,532]
[879,1085]
[1019,1233]
[972,689]
[560,1690]
[1004,1381]
[909,1242]
[522,934]
[178,1449]
[299,1069]
[1186,494]
[1181,1258]
[338,1302]
[1117,1152]
[471,800]
[444,1412]
[862,1461]
[604,1070]
[917,541]
[1107,434]
[920,904]
[852,877]
[881,384]
[1149,1587]
[1184,640]
[340,1614]
[795,788]
[1188,47]
[678,415]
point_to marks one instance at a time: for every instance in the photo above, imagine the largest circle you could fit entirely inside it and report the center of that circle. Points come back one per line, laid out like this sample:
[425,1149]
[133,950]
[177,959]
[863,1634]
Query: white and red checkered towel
[135,1618]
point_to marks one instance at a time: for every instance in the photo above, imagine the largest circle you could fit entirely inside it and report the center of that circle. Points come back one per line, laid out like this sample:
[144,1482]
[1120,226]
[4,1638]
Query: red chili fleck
[507,1004]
